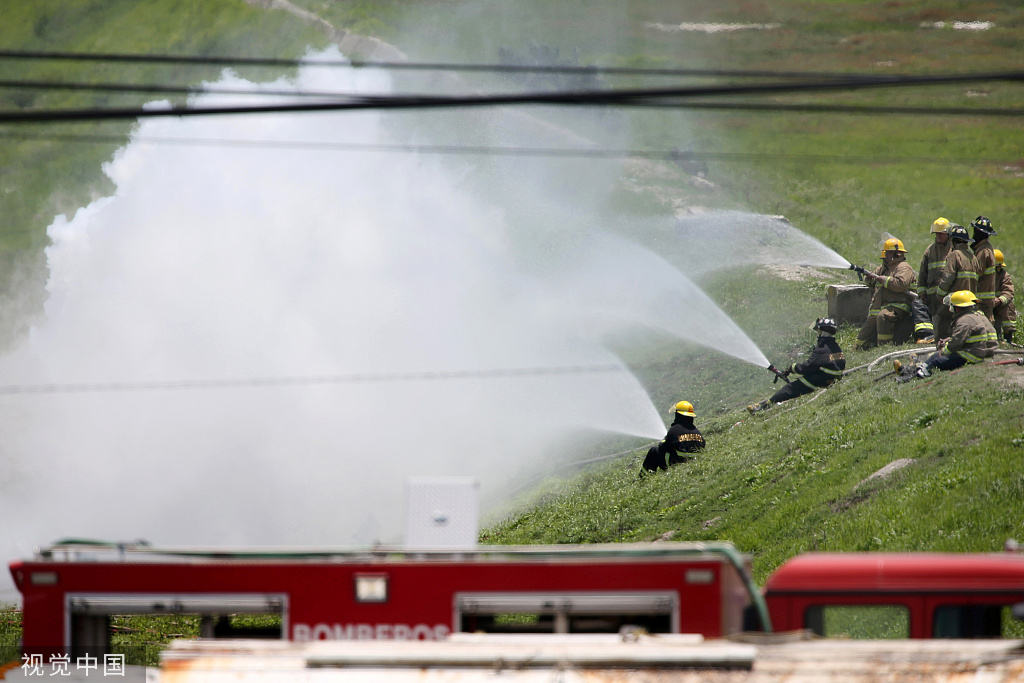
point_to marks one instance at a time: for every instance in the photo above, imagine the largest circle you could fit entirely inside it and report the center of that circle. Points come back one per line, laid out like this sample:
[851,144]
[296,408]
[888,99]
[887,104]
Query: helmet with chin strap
[983,226]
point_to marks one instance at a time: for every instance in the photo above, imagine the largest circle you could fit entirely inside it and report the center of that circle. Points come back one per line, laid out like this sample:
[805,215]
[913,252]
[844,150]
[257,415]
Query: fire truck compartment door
[194,603]
[643,602]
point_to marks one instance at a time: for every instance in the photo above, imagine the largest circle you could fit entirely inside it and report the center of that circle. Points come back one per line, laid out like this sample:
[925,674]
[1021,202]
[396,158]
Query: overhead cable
[260,382]
[642,97]
[560,97]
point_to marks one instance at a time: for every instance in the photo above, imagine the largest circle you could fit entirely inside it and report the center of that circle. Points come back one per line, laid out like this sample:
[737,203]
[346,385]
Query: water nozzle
[859,270]
[779,374]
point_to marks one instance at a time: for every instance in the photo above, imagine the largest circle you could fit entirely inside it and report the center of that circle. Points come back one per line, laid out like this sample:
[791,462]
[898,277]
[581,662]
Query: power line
[265,382]
[483,150]
[642,97]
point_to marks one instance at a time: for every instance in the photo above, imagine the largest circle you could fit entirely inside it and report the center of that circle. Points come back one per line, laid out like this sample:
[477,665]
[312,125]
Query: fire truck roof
[915,572]
[72,550]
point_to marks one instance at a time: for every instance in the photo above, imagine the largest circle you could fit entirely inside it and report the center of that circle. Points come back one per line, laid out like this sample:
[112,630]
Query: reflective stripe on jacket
[985,267]
[972,336]
[892,291]
[932,263]
[958,274]
[824,366]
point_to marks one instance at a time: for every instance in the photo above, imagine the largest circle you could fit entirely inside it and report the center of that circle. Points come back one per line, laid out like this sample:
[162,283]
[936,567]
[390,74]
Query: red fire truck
[920,595]
[71,589]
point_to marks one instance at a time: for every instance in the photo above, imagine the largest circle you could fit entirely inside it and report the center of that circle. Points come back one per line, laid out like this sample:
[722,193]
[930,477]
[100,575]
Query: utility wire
[482,150]
[362,378]
[641,97]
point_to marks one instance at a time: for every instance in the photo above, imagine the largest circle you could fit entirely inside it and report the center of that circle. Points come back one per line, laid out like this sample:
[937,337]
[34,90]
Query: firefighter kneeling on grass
[682,437]
[824,366]
[972,339]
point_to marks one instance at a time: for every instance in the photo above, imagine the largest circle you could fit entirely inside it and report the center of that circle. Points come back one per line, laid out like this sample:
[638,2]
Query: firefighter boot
[758,407]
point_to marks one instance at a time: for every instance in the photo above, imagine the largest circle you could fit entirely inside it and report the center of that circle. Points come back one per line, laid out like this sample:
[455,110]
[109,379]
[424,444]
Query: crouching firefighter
[824,366]
[682,438]
[972,339]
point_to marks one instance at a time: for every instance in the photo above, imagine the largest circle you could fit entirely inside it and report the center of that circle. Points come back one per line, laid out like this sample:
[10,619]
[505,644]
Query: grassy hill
[790,480]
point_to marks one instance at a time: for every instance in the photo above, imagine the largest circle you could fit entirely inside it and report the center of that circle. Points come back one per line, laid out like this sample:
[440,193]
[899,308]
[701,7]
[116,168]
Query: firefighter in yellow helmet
[929,275]
[683,438]
[1004,310]
[972,338]
[958,274]
[892,284]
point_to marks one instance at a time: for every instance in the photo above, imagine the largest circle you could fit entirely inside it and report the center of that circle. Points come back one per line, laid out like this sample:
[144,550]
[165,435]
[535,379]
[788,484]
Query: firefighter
[928,277]
[972,338]
[984,265]
[823,367]
[682,438]
[1004,310]
[957,275]
[892,284]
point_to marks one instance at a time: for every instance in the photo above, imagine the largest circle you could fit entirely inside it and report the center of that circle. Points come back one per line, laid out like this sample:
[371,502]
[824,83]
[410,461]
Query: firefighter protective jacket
[930,274]
[985,267]
[1005,310]
[892,291]
[972,336]
[682,437]
[824,366]
[958,274]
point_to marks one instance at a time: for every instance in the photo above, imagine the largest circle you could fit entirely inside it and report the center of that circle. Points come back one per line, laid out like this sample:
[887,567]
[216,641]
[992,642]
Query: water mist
[213,262]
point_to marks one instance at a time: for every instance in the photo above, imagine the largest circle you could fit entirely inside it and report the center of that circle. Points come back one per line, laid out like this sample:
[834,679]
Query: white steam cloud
[240,264]
[212,262]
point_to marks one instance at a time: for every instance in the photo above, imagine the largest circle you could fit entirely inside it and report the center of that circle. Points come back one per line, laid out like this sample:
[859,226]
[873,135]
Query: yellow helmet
[999,257]
[941,225]
[893,244]
[963,298]
[685,408]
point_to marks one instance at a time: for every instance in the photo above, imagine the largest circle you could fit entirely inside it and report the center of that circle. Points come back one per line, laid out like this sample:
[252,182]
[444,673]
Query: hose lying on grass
[906,352]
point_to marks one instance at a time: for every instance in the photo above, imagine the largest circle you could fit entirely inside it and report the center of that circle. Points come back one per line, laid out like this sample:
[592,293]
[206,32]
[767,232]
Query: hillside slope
[798,477]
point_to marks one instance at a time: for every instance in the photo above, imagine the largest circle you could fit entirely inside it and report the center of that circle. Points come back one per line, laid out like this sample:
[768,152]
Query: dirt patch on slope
[1009,374]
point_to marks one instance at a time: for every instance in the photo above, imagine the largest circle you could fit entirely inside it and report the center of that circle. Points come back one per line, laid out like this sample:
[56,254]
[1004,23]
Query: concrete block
[849,303]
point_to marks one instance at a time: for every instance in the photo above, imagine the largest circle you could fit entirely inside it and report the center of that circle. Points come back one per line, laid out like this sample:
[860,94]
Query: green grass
[789,480]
